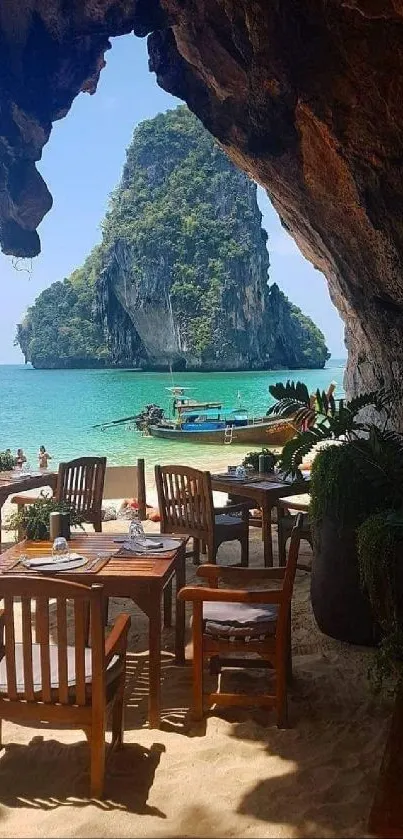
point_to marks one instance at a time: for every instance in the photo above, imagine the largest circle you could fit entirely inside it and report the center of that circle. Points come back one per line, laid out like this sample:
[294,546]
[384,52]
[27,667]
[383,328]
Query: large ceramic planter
[340,606]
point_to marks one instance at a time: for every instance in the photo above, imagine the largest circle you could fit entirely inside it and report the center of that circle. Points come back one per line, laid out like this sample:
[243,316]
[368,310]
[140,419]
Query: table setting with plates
[144,575]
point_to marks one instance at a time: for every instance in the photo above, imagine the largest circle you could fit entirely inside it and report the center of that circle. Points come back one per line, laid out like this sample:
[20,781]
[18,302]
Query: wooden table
[265,491]
[147,580]
[14,485]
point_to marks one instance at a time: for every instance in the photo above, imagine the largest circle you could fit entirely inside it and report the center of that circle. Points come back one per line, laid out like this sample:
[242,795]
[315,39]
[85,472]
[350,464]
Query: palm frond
[291,390]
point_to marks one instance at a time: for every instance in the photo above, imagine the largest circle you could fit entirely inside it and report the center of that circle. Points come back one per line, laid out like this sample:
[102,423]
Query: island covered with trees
[180,277]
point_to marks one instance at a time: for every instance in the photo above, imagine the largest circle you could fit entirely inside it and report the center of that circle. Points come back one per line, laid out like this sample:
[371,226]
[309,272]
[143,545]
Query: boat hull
[269,433]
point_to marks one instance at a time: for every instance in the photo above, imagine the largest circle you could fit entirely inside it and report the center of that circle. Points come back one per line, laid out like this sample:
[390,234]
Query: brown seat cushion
[113,668]
[239,620]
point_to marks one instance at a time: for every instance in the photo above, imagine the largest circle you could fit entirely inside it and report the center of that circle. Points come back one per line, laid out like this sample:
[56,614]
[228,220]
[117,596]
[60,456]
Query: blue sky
[81,165]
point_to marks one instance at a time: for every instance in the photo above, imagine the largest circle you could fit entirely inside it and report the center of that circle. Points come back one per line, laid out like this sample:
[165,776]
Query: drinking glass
[137,537]
[60,549]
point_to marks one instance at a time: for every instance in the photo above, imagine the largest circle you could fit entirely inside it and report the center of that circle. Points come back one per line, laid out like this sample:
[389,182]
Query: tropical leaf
[298,392]
[295,450]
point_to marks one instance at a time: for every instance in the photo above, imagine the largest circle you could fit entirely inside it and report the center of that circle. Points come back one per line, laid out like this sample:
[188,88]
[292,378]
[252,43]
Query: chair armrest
[242,507]
[116,642]
[202,593]
[21,500]
[215,573]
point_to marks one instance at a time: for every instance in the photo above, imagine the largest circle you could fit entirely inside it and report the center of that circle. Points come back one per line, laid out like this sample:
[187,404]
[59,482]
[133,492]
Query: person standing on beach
[43,457]
[20,459]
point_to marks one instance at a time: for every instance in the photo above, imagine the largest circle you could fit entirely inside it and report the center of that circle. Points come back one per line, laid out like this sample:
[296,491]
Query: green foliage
[294,400]
[252,459]
[7,461]
[380,548]
[33,519]
[329,422]
[61,328]
[360,485]
[340,490]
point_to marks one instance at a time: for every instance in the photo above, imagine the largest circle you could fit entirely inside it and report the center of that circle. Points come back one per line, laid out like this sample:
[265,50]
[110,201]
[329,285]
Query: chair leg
[196,551]
[282,542]
[245,550]
[212,549]
[97,760]
[203,547]
[197,661]
[281,695]
[117,716]
[1,734]
[20,530]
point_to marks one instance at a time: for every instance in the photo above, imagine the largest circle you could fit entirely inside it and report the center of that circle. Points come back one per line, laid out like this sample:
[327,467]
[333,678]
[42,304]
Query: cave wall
[305,96]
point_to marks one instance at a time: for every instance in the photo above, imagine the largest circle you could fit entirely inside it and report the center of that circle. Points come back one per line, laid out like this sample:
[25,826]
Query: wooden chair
[228,622]
[285,524]
[185,500]
[127,482]
[80,482]
[64,685]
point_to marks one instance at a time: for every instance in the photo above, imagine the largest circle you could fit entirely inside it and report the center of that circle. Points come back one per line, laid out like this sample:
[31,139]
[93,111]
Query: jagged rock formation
[181,276]
[184,262]
[306,97]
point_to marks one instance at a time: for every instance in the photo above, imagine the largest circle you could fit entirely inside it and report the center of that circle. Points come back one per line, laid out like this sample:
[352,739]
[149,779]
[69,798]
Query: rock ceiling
[305,95]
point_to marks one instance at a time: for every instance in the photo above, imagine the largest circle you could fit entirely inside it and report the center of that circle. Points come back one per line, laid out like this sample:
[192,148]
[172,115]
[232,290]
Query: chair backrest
[185,500]
[47,669]
[127,482]
[289,576]
[80,482]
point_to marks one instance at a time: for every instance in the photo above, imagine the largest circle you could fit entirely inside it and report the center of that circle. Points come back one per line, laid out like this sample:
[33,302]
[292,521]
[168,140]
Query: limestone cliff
[181,276]
[185,262]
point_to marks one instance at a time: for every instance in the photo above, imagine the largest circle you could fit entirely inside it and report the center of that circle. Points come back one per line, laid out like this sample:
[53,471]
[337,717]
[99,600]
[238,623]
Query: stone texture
[305,96]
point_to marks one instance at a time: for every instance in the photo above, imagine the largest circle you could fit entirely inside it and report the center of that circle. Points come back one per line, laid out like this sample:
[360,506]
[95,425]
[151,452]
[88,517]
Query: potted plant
[380,549]
[252,460]
[342,498]
[350,482]
[33,519]
[7,461]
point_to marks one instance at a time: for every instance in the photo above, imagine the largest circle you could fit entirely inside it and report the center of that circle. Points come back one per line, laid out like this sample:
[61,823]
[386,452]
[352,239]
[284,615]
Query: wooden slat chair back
[50,674]
[185,501]
[272,645]
[127,482]
[80,482]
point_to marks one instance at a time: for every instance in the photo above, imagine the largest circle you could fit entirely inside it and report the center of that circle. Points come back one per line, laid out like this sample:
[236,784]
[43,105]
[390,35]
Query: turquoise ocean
[58,408]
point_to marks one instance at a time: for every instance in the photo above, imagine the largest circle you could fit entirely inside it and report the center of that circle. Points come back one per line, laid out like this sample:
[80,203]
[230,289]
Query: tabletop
[91,545]
[256,485]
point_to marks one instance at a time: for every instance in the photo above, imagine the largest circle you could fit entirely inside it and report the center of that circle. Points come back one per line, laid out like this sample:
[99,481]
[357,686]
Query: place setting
[61,559]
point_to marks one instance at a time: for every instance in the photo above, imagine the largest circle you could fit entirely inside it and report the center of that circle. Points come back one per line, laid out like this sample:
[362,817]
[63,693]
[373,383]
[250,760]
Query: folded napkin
[150,543]
[47,560]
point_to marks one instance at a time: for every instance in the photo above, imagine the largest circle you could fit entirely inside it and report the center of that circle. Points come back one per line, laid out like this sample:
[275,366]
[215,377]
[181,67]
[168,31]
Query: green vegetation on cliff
[61,328]
[181,275]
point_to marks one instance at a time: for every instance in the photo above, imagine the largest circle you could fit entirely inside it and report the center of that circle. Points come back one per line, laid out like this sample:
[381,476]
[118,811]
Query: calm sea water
[58,408]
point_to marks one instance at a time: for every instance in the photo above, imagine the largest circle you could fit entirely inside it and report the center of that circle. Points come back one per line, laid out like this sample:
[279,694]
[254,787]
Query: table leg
[180,575]
[266,528]
[168,604]
[154,631]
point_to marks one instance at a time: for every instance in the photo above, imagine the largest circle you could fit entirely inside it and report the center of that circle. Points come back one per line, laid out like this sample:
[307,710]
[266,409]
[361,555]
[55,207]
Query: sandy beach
[234,775]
